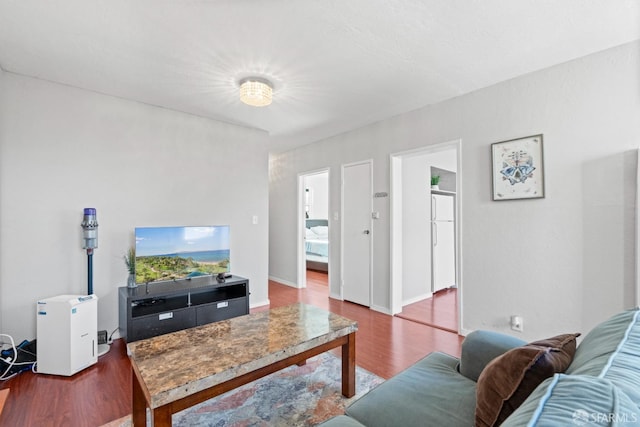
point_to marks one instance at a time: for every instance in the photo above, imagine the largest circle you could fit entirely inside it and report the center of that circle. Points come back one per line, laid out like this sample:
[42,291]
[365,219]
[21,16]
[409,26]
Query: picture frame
[518,168]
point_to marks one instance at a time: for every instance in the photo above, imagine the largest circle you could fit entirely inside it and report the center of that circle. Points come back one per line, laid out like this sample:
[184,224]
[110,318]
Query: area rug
[296,396]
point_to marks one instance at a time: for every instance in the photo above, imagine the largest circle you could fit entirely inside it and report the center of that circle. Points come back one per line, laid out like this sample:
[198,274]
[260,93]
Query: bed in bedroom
[317,244]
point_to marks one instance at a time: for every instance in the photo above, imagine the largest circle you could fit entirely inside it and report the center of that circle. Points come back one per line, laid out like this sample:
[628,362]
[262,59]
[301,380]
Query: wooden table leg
[162,416]
[349,366]
[139,406]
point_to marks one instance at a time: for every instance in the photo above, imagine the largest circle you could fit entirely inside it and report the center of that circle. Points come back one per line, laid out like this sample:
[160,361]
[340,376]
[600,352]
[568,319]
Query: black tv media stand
[163,307]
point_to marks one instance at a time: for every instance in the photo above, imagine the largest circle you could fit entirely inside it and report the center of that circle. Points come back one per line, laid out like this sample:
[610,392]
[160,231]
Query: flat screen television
[171,253]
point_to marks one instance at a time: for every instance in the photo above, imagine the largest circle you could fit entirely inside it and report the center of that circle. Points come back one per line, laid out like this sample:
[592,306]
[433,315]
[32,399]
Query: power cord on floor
[110,339]
[11,361]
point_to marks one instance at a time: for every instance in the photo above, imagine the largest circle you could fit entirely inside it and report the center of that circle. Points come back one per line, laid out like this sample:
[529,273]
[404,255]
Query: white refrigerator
[443,248]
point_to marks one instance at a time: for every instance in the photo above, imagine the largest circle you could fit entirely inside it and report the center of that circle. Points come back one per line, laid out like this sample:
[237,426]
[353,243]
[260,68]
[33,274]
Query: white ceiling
[336,64]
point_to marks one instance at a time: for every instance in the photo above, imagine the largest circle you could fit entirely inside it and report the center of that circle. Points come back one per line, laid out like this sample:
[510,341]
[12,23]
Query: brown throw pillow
[509,379]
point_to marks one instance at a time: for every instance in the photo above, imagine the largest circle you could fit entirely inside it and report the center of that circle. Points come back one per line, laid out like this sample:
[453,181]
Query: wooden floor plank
[3,398]
[439,311]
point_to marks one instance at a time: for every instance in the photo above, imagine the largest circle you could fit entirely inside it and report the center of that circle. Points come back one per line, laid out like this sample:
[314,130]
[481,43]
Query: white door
[356,233]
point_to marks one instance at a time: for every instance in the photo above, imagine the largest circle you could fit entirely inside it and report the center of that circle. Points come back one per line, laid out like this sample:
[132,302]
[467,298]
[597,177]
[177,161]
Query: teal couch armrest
[481,347]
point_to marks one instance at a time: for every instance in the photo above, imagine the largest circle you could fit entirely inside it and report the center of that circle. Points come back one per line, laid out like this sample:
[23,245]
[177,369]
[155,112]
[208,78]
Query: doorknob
[366,231]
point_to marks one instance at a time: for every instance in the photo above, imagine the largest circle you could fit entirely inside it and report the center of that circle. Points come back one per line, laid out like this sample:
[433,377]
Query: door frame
[395,221]
[301,264]
[371,231]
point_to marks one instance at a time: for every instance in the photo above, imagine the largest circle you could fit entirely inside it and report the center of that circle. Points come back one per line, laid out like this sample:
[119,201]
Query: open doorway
[425,278]
[313,250]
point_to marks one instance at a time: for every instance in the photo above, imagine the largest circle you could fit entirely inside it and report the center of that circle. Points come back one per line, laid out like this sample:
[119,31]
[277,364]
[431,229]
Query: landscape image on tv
[171,253]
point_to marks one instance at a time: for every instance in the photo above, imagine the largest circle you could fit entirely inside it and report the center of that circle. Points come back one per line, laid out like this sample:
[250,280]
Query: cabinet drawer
[161,323]
[221,310]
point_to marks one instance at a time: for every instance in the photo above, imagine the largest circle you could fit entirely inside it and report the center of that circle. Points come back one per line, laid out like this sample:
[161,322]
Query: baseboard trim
[416,299]
[465,332]
[284,282]
[259,304]
[381,309]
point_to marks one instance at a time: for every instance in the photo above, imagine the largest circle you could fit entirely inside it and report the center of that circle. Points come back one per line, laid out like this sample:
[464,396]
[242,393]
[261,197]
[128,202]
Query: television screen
[170,253]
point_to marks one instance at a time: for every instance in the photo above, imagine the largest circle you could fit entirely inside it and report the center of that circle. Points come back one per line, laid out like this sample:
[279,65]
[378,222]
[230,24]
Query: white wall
[319,186]
[564,262]
[64,149]
[445,159]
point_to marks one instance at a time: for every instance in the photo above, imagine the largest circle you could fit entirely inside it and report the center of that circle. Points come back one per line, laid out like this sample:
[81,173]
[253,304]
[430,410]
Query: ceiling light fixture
[256,92]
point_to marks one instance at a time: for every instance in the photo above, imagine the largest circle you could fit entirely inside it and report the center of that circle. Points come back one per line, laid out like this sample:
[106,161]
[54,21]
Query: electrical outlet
[102,337]
[517,323]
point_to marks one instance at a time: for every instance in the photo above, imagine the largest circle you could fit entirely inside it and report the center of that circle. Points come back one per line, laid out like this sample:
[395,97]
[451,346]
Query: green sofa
[600,387]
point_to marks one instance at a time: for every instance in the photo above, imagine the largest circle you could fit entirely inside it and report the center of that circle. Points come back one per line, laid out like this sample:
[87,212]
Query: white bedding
[317,241]
[317,247]
[317,244]
[320,231]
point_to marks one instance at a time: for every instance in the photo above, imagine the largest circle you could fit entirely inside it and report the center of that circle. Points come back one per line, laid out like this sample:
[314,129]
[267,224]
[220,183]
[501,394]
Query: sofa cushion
[509,379]
[611,351]
[429,393]
[575,400]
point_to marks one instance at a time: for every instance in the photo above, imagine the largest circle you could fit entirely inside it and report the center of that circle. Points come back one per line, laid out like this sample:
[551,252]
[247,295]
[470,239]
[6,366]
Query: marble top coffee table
[175,371]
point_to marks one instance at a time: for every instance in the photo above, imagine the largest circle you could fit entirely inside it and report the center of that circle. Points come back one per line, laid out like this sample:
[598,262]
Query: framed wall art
[518,170]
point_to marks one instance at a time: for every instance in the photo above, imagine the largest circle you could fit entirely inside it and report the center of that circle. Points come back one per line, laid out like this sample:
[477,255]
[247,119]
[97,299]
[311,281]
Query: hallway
[439,311]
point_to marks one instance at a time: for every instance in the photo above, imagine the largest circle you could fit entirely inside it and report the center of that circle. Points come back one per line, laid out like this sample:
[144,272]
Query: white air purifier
[67,334]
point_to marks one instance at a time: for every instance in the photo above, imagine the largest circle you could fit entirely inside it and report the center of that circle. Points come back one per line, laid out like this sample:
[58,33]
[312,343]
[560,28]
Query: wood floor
[439,311]
[3,398]
[385,345]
